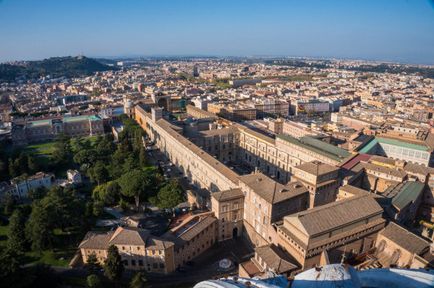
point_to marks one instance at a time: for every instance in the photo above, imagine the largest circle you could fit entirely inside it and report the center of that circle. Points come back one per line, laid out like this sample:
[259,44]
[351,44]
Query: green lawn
[42,149]
[47,148]
[50,257]
[60,256]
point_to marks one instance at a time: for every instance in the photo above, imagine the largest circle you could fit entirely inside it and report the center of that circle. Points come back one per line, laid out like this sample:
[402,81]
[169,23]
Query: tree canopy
[113,267]
[170,195]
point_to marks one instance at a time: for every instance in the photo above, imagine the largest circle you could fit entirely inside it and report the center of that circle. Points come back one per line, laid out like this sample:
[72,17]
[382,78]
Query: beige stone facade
[396,246]
[138,249]
[266,202]
[341,228]
[291,174]
[321,180]
[228,207]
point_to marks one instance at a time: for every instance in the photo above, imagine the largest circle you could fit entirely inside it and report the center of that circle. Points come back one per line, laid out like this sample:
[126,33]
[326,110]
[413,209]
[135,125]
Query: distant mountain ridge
[55,67]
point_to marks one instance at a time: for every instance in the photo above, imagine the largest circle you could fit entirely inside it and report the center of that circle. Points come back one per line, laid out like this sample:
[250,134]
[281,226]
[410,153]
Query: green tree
[38,228]
[14,169]
[134,184]
[9,267]
[123,204]
[16,236]
[38,193]
[93,281]
[104,147]
[92,264]
[99,192]
[63,207]
[113,267]
[170,195]
[139,280]
[98,208]
[22,163]
[142,157]
[9,204]
[112,193]
[62,152]
[130,163]
[32,165]
[85,156]
[99,173]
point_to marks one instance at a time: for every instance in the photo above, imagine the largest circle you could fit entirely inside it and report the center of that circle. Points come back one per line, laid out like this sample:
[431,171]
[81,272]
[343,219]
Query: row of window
[140,263]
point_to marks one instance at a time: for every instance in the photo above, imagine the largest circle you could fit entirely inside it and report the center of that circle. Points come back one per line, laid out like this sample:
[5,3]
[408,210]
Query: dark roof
[190,229]
[355,160]
[228,194]
[275,258]
[408,193]
[405,238]
[197,228]
[270,190]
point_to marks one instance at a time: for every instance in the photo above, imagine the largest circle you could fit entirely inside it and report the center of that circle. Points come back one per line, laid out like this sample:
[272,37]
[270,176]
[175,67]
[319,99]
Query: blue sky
[393,30]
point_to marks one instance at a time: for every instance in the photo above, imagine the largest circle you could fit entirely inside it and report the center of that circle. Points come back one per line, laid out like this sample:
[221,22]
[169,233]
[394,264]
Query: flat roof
[402,144]
[318,146]
[81,118]
[37,123]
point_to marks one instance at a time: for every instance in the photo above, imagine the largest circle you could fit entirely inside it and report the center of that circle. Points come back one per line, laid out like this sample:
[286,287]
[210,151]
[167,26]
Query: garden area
[47,228]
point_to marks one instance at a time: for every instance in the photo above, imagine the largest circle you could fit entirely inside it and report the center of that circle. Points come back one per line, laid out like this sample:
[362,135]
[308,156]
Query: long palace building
[278,192]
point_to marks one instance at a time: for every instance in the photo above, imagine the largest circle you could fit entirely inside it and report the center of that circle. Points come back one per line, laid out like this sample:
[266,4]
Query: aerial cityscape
[203,144]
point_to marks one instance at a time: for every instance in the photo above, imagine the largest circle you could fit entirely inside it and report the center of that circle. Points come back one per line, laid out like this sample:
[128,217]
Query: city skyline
[368,30]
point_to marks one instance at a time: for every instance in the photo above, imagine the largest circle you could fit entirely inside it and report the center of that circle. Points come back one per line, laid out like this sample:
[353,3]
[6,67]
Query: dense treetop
[54,67]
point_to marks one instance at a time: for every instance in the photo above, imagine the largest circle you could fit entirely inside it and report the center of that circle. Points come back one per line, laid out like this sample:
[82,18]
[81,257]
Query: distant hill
[55,67]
